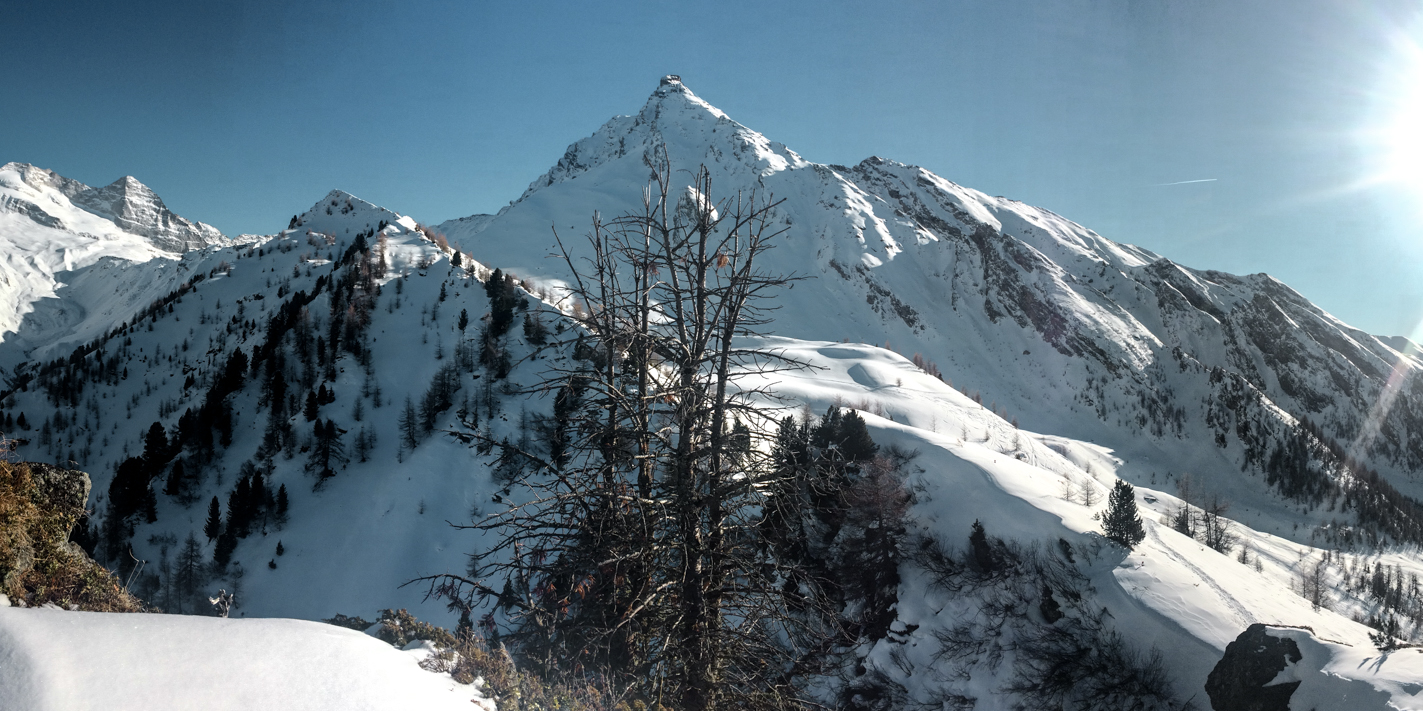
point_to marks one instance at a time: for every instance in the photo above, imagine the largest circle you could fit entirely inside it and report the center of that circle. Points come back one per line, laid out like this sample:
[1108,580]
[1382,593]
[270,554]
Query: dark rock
[1238,682]
[60,490]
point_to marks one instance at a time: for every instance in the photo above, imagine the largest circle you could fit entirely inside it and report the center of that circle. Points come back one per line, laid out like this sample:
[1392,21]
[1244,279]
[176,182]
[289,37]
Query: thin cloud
[1185,182]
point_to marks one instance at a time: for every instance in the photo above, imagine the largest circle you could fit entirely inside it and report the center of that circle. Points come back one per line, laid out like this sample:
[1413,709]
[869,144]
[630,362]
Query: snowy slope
[55,660]
[350,546]
[1174,368]
[76,260]
[1115,361]
[1171,593]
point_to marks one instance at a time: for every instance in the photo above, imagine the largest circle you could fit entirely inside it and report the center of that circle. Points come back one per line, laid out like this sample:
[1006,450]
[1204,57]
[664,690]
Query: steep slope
[380,520]
[1176,369]
[75,260]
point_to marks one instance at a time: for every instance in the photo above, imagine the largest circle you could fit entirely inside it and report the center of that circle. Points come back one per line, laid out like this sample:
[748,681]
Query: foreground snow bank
[55,659]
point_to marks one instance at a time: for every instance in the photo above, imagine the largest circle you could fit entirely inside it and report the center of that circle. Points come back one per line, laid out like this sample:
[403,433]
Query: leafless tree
[637,551]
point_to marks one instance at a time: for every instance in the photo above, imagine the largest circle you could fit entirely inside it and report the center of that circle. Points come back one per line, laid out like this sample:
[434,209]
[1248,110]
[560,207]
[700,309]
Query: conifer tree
[282,505]
[188,573]
[222,552]
[982,550]
[213,528]
[1121,522]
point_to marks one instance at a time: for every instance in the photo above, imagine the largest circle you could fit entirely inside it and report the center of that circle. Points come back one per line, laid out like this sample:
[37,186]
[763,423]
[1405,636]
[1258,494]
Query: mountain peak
[135,208]
[672,94]
[339,212]
[690,131]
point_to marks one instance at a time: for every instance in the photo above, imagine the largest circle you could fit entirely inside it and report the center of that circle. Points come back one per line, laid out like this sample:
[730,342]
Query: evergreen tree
[982,551]
[535,333]
[1121,522]
[188,573]
[222,552]
[213,528]
[175,485]
[156,450]
[326,449]
[311,411]
[282,505]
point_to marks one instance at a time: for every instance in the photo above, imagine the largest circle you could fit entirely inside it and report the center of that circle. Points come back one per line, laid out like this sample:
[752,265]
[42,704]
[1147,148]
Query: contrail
[1184,182]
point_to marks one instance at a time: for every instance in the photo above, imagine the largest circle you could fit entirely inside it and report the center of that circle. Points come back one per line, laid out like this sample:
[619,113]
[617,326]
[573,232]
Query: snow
[1171,592]
[56,660]
[55,232]
[897,256]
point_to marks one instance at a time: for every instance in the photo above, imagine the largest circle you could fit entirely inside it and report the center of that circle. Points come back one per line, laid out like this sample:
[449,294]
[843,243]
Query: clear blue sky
[243,113]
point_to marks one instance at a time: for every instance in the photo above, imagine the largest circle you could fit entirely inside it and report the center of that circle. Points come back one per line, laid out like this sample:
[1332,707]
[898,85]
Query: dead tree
[638,556]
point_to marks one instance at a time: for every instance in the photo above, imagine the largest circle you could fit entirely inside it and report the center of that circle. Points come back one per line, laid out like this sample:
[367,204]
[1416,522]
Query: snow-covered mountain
[1114,361]
[62,244]
[1056,326]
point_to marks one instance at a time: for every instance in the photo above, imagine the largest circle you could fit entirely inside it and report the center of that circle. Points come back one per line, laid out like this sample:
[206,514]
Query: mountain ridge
[1117,361]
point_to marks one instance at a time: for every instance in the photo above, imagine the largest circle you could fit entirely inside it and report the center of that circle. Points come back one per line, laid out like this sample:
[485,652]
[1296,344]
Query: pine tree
[213,528]
[982,551]
[222,552]
[312,407]
[1121,522]
[188,573]
[282,505]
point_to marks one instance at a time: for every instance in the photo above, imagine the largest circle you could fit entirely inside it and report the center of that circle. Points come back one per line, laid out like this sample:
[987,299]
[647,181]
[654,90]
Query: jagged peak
[41,178]
[689,128]
[672,93]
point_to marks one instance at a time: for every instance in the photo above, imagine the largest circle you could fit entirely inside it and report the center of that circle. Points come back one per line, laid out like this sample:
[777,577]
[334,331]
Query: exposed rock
[137,209]
[64,490]
[39,565]
[1241,679]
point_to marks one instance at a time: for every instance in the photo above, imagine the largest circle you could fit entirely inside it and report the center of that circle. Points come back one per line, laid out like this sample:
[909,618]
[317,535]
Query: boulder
[1241,680]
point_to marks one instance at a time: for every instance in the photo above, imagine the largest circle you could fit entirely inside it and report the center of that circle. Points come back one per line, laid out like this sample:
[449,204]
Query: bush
[470,658]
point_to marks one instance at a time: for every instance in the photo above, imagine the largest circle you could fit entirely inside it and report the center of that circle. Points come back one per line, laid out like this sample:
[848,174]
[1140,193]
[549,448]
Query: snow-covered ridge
[129,204]
[679,121]
[1117,362]
[1008,299]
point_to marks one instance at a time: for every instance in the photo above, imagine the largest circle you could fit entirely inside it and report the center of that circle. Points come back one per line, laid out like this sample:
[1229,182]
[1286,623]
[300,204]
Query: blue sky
[241,114]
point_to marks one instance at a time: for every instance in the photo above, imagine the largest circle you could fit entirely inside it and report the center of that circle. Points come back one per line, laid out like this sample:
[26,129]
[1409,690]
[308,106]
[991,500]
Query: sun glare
[1405,138]
[1400,137]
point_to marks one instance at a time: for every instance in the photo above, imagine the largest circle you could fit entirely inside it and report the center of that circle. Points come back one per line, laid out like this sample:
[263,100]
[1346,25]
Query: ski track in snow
[1242,615]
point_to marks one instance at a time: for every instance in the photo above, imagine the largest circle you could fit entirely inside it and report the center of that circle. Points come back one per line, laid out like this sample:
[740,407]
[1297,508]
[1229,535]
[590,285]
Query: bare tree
[1313,585]
[1216,530]
[637,552]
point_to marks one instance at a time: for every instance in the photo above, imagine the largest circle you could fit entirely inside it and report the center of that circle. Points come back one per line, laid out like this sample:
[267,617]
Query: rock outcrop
[1241,680]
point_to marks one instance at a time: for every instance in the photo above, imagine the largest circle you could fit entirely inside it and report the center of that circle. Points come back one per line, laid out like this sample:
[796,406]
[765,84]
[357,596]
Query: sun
[1399,137]
[1403,136]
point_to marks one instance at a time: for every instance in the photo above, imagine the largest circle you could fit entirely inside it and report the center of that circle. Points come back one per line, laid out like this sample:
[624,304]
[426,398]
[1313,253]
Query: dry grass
[38,564]
[470,658]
